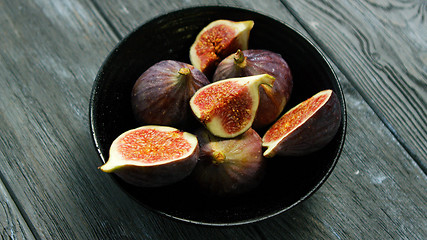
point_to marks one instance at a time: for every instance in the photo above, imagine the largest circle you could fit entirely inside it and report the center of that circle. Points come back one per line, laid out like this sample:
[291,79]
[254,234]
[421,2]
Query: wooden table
[50,187]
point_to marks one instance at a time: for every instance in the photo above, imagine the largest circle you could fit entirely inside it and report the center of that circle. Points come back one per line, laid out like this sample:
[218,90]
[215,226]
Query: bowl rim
[93,101]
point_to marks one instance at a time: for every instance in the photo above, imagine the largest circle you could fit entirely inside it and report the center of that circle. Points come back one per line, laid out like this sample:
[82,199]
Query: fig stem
[218,157]
[240,59]
[185,77]
[184,71]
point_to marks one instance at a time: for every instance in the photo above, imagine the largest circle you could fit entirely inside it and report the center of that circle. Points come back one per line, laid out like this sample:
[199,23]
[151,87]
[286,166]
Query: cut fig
[227,108]
[229,166]
[161,94]
[216,41]
[152,156]
[306,128]
[253,62]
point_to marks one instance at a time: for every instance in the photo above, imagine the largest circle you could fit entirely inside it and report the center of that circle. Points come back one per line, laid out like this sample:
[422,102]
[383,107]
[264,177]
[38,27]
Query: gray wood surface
[381,47]
[13,225]
[50,53]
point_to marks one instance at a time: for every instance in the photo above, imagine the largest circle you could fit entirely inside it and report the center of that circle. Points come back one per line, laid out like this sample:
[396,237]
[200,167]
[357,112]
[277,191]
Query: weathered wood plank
[12,224]
[47,68]
[374,192]
[124,16]
[381,47]
[46,80]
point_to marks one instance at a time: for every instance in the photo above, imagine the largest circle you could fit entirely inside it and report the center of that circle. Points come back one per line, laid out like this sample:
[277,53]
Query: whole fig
[229,166]
[161,95]
[253,62]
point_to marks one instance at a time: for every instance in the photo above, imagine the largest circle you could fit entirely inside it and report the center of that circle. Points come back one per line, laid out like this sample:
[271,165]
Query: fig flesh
[227,108]
[152,156]
[253,62]
[161,94]
[306,128]
[229,166]
[217,40]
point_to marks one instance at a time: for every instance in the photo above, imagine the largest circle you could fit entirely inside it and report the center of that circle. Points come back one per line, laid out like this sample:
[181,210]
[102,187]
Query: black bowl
[288,181]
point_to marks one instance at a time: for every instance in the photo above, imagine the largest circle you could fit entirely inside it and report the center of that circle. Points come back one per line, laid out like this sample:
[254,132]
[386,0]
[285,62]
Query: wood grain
[124,16]
[48,62]
[373,193]
[381,47]
[12,224]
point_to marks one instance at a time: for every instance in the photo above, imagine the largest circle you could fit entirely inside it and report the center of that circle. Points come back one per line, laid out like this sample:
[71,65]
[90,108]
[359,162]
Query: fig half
[161,94]
[306,128]
[227,108]
[216,41]
[152,156]
[253,62]
[229,166]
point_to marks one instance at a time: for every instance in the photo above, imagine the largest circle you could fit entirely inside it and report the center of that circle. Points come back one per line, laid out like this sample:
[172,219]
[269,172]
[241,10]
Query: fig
[161,94]
[229,166]
[257,61]
[305,128]
[152,156]
[216,41]
[227,108]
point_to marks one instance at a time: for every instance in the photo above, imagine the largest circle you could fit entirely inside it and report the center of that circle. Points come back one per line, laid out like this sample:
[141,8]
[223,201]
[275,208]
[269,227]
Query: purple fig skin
[253,62]
[161,94]
[130,151]
[229,166]
[314,134]
[227,108]
[159,175]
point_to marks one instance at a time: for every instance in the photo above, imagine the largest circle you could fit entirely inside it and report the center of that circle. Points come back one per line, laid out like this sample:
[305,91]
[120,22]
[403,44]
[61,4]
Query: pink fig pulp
[227,108]
[253,62]
[306,128]
[152,156]
[217,40]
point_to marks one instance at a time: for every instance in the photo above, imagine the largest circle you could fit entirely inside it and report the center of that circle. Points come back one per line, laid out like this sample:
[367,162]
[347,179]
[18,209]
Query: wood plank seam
[318,42]
[115,31]
[19,208]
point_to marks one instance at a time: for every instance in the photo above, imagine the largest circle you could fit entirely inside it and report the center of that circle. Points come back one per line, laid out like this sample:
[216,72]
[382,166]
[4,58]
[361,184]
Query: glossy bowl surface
[288,181]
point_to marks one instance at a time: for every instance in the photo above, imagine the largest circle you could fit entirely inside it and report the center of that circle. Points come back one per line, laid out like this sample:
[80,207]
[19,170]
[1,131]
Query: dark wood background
[50,188]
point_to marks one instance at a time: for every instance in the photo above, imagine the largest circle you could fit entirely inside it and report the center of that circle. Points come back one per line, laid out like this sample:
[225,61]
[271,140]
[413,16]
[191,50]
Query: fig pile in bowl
[233,94]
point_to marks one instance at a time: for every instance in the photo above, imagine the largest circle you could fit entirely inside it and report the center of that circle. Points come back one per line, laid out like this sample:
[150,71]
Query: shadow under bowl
[288,181]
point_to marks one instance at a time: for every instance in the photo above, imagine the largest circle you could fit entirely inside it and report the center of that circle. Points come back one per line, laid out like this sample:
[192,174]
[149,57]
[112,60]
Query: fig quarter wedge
[227,108]
[306,128]
[217,40]
[259,61]
[152,156]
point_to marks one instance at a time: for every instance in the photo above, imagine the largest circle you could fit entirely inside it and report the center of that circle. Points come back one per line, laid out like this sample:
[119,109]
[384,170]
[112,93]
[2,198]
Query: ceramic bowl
[288,181]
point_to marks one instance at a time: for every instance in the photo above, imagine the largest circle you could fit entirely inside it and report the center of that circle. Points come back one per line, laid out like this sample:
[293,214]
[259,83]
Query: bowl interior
[288,180]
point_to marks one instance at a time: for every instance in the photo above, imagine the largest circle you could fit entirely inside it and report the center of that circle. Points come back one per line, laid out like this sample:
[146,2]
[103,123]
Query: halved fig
[227,108]
[152,156]
[229,166]
[253,62]
[217,40]
[306,128]
[161,94]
